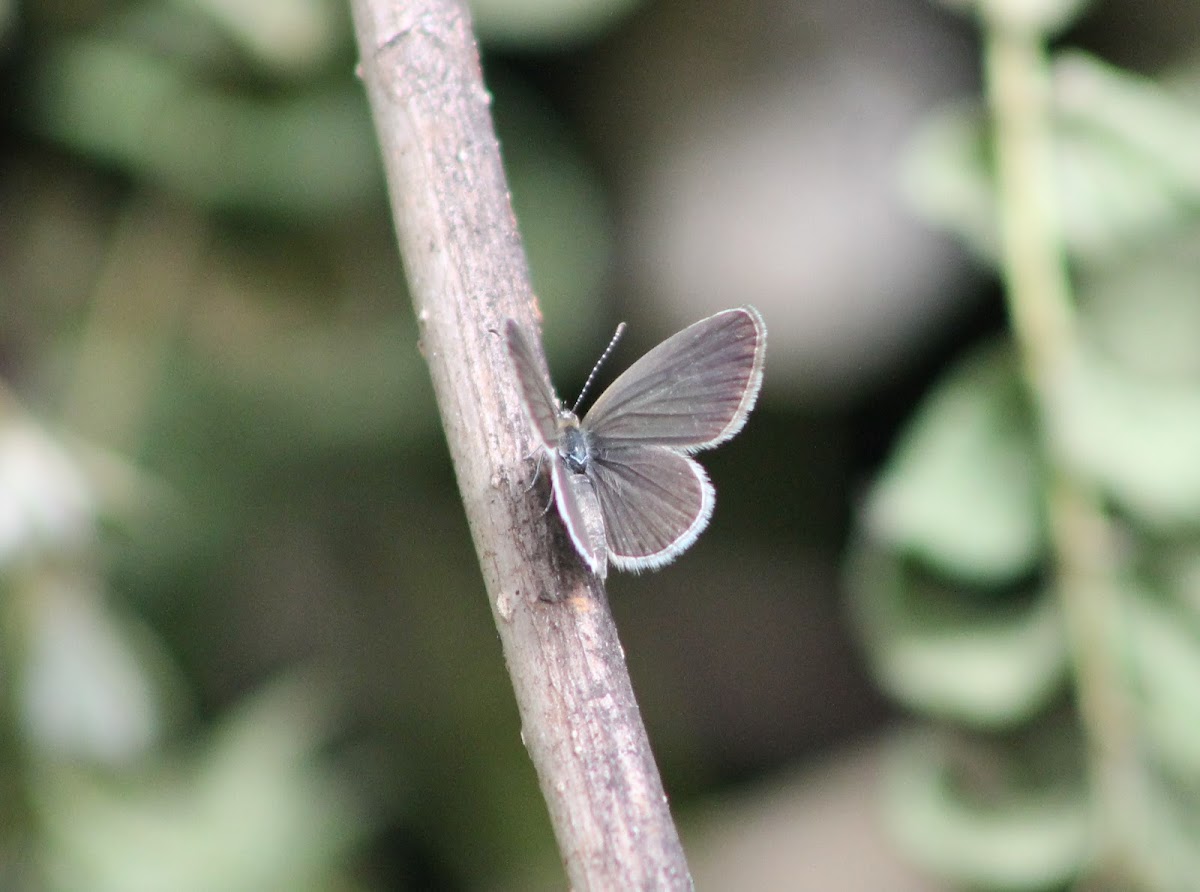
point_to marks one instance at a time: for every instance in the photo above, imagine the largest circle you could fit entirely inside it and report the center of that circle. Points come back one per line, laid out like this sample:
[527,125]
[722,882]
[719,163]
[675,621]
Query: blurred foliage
[998,814]
[525,24]
[955,590]
[933,502]
[220,671]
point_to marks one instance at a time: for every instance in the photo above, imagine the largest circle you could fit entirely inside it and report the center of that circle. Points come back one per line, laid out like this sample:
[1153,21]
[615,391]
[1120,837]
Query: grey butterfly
[623,481]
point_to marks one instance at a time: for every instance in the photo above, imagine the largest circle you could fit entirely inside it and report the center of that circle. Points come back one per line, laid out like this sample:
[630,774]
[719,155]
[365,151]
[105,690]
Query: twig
[1086,557]
[467,273]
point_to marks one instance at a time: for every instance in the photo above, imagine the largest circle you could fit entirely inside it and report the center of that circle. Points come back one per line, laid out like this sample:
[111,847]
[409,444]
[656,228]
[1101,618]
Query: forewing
[577,502]
[692,391]
[655,503]
[536,395]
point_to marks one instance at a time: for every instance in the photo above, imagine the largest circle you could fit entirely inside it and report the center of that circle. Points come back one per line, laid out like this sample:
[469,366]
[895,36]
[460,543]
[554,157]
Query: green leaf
[1142,312]
[945,175]
[1178,569]
[1111,199]
[1015,839]
[1125,168]
[311,154]
[1164,656]
[1136,436]
[1156,125]
[1171,831]
[967,659]
[87,689]
[48,505]
[285,37]
[962,489]
[254,812]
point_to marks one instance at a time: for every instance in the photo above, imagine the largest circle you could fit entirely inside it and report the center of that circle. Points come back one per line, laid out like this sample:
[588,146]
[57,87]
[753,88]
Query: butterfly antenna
[612,345]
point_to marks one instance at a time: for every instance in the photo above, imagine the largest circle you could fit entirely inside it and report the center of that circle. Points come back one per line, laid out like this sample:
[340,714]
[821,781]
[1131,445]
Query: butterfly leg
[537,472]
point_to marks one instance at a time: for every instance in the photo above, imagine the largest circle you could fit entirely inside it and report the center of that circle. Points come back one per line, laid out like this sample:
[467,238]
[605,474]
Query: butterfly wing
[574,494]
[536,394]
[578,506]
[655,502]
[692,391]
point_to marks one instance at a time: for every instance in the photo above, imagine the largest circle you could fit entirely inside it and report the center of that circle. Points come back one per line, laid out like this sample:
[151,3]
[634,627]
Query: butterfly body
[624,482]
[573,445]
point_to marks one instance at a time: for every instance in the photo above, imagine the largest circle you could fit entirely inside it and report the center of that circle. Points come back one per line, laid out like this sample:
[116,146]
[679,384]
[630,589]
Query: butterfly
[624,483]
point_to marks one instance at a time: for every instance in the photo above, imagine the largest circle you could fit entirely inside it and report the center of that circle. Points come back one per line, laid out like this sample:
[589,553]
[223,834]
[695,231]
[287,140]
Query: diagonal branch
[467,274]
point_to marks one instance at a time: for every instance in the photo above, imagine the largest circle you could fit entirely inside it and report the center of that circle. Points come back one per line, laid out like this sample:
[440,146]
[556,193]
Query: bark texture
[467,273]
